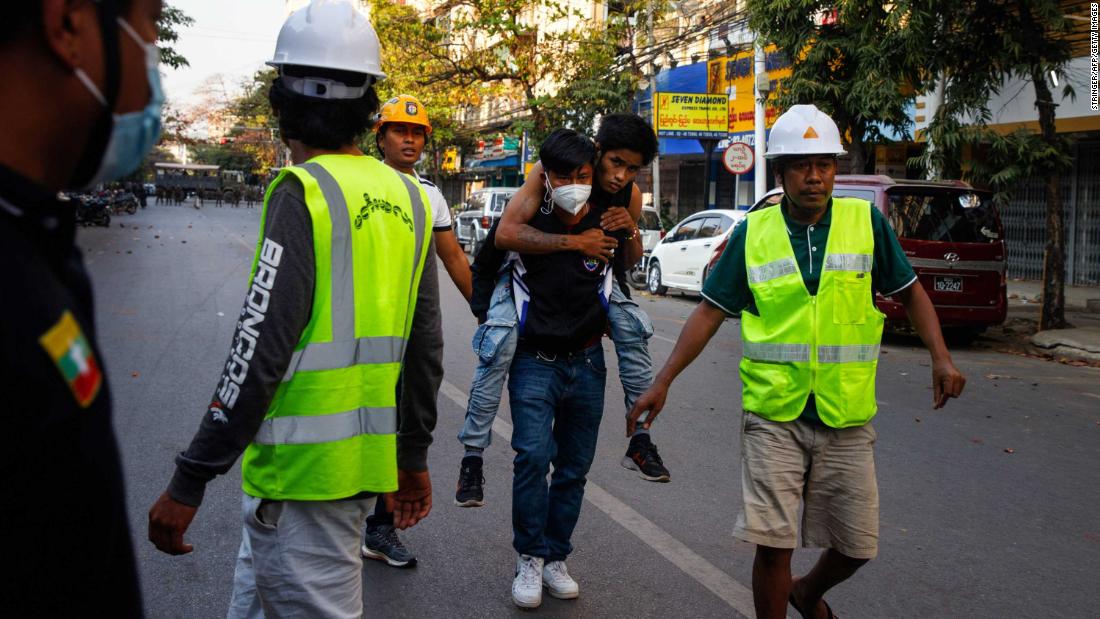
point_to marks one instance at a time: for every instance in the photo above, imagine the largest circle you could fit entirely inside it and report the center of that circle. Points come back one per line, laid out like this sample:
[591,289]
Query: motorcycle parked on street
[123,202]
[92,211]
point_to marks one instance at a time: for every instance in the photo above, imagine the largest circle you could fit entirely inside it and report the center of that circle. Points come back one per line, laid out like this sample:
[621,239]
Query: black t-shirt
[489,259]
[562,301]
[604,200]
[63,516]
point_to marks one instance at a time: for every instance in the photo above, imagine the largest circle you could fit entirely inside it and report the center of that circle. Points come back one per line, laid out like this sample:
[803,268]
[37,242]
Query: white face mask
[571,198]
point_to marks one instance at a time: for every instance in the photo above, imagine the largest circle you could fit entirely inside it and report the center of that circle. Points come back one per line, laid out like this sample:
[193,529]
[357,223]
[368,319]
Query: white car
[650,227]
[682,259]
[478,214]
[652,231]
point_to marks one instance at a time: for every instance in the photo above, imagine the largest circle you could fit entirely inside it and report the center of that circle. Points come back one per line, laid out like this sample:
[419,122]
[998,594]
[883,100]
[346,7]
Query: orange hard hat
[403,109]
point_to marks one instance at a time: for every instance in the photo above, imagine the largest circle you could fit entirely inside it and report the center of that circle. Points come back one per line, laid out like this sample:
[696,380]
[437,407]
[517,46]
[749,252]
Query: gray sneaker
[381,543]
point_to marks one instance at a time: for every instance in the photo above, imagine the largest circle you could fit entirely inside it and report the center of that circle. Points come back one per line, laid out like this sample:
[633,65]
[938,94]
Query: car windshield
[840,191]
[649,221]
[714,226]
[957,216]
[476,202]
[500,200]
[687,230]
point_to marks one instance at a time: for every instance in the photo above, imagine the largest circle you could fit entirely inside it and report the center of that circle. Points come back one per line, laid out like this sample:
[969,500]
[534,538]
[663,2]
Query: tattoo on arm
[535,240]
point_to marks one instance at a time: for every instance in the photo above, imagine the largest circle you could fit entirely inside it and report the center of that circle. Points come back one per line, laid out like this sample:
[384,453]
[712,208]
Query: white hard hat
[804,130]
[330,34]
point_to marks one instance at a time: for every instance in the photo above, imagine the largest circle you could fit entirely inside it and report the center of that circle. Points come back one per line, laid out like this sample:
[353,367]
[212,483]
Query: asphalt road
[989,507]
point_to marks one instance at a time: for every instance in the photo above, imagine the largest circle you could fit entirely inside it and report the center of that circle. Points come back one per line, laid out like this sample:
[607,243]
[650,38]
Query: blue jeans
[557,405]
[494,344]
[630,330]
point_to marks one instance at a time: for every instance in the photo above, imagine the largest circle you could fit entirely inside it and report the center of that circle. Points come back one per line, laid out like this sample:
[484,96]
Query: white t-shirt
[441,213]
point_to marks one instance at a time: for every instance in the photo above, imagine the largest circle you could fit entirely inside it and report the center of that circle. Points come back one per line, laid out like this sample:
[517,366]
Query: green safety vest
[330,431]
[826,344]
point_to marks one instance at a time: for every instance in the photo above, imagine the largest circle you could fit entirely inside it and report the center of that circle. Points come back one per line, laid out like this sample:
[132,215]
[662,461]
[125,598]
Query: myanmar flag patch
[70,350]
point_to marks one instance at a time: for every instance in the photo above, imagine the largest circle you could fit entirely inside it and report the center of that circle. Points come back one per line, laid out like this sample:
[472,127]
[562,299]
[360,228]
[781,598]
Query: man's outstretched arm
[947,380]
[699,328]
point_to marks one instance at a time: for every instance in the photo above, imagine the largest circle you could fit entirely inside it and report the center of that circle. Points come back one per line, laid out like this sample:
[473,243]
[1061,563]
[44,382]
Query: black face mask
[101,131]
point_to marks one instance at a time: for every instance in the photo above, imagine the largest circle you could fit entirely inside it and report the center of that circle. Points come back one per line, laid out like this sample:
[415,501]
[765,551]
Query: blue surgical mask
[133,134]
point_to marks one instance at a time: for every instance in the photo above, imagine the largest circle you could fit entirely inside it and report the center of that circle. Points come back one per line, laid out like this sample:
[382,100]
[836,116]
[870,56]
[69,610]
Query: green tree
[982,46]
[397,25]
[863,61]
[852,65]
[256,133]
[475,50]
[168,26]
[594,90]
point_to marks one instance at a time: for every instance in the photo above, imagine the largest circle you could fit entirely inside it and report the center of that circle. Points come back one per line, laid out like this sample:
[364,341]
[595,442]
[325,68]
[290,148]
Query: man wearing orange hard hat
[401,130]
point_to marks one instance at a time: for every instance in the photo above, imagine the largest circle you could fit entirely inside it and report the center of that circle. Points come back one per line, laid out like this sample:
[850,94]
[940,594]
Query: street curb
[1082,343]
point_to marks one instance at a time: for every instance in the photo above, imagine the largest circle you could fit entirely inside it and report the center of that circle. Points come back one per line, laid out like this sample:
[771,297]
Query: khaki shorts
[831,471]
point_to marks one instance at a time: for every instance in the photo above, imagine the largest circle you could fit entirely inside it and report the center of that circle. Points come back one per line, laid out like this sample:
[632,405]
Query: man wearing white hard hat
[803,278]
[342,279]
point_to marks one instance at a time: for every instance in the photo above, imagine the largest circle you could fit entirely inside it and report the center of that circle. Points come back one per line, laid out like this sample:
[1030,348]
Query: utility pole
[935,103]
[760,174]
[656,173]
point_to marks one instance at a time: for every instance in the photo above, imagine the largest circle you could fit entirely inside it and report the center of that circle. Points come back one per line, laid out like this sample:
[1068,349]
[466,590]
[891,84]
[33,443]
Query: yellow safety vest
[330,431]
[828,343]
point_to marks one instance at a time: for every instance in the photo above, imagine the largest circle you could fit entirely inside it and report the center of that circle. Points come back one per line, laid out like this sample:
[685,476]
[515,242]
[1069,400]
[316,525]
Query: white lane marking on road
[721,584]
[243,243]
[1092,395]
[678,321]
[664,339]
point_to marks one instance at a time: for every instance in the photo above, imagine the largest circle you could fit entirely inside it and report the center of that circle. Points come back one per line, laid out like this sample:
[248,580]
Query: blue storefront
[498,172]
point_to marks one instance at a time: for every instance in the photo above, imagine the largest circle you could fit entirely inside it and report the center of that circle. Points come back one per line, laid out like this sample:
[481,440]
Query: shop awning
[511,161]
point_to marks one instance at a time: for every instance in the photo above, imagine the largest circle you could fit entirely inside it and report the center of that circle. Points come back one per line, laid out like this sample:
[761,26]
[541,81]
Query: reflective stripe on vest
[759,351]
[343,284]
[847,354]
[326,428]
[419,215]
[330,431]
[336,355]
[772,270]
[346,350]
[847,262]
[799,344]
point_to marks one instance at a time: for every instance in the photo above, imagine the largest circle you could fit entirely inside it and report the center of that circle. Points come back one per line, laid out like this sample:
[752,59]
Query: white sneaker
[558,581]
[527,585]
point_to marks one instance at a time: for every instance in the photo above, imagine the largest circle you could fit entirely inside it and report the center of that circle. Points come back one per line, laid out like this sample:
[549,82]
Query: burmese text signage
[732,75]
[691,115]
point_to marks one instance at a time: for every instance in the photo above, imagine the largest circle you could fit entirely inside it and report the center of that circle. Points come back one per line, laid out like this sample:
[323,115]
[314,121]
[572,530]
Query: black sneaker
[382,544]
[470,483]
[642,456]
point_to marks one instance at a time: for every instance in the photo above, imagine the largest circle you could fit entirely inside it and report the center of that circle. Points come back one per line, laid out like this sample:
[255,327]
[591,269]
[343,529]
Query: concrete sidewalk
[1081,342]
